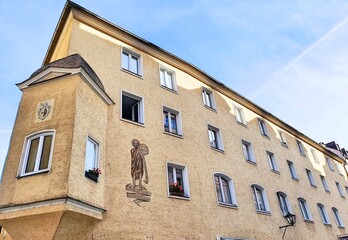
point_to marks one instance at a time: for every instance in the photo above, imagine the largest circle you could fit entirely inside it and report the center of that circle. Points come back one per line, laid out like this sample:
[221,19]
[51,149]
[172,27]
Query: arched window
[306,213]
[260,198]
[37,153]
[225,190]
[337,217]
[284,203]
[323,214]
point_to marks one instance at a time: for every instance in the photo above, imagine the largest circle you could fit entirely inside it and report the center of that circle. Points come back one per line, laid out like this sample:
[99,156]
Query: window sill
[33,173]
[132,122]
[284,145]
[327,224]
[295,179]
[327,191]
[265,136]
[342,227]
[268,213]
[179,196]
[91,176]
[227,205]
[132,73]
[309,221]
[251,162]
[242,124]
[169,89]
[218,150]
[275,171]
[303,155]
[314,186]
[174,135]
[210,108]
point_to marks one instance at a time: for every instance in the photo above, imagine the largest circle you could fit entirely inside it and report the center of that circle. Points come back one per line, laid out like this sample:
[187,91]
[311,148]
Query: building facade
[116,138]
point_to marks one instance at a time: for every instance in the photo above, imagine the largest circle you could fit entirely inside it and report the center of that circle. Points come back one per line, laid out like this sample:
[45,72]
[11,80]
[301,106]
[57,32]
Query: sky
[288,57]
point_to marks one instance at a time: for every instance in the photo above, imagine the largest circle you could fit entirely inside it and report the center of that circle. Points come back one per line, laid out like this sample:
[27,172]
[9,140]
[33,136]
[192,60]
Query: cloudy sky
[289,57]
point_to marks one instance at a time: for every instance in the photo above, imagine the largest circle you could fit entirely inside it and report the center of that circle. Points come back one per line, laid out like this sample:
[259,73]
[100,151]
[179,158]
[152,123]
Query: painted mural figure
[138,163]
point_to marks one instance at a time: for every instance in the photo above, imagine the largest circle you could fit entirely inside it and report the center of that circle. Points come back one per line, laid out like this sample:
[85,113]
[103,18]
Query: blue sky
[289,57]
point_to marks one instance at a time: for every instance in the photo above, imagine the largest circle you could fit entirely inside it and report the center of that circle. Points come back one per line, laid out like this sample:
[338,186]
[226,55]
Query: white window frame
[138,56]
[248,151]
[305,209]
[239,113]
[329,163]
[218,138]
[323,214]
[292,169]
[300,148]
[323,181]
[339,189]
[263,127]
[231,189]
[26,149]
[337,217]
[284,203]
[282,138]
[339,168]
[315,157]
[272,161]
[311,178]
[164,82]
[141,109]
[185,181]
[208,98]
[177,114]
[257,201]
[97,151]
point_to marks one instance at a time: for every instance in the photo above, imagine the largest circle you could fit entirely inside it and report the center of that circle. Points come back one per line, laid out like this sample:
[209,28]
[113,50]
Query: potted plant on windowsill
[175,189]
[93,174]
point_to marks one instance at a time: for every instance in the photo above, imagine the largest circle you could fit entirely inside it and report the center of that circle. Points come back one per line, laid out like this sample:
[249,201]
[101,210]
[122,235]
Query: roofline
[239,98]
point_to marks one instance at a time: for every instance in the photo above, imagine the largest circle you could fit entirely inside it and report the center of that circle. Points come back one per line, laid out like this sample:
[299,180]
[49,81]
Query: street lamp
[291,218]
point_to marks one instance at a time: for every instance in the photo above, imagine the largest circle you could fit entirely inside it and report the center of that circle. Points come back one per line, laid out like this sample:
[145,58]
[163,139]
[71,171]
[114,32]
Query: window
[346,189]
[292,170]
[300,148]
[324,183]
[339,189]
[225,190]
[263,127]
[131,61]
[284,204]
[337,217]
[306,213]
[177,180]
[215,138]
[92,154]
[172,121]
[314,154]
[37,153]
[283,138]
[272,162]
[339,168]
[323,214]
[239,115]
[132,108]
[260,198]
[310,178]
[248,151]
[329,163]
[167,79]
[208,98]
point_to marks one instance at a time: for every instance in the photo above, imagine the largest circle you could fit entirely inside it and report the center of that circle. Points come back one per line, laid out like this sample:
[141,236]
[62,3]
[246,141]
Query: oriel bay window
[37,153]
[177,180]
[225,190]
[172,121]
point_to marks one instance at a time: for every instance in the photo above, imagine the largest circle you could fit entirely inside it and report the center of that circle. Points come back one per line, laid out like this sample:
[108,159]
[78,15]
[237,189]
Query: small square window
[177,180]
[92,159]
[263,128]
[300,148]
[272,162]
[208,98]
[248,151]
[239,115]
[167,79]
[132,108]
[283,138]
[131,61]
[172,121]
[323,180]
[314,154]
[215,138]
[292,170]
[311,178]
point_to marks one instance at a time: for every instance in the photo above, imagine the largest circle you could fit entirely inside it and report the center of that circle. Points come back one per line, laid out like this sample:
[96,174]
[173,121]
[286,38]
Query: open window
[132,107]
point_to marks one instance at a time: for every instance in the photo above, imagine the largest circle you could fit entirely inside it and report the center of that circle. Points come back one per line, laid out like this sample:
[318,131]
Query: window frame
[264,200]
[232,193]
[323,181]
[272,162]
[337,217]
[304,206]
[177,114]
[300,148]
[339,189]
[239,114]
[323,214]
[282,138]
[97,151]
[141,110]
[218,138]
[339,168]
[185,182]
[292,170]
[329,163]
[263,128]
[249,150]
[207,93]
[284,202]
[138,56]
[163,83]
[314,155]
[311,178]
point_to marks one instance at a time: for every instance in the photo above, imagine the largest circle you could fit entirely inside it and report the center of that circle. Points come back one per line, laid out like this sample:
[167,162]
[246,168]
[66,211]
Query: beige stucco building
[181,155]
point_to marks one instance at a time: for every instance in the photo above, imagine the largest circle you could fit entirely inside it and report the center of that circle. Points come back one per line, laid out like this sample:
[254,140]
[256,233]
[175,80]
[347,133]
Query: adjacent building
[116,138]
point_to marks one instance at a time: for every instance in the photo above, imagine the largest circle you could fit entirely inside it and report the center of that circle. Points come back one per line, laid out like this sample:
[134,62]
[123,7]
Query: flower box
[92,174]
